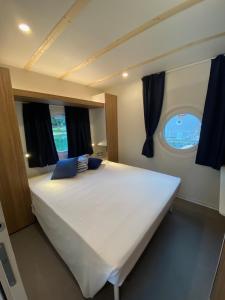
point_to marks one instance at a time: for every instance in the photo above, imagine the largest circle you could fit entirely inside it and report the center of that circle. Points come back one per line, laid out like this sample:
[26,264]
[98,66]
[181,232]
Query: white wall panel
[186,87]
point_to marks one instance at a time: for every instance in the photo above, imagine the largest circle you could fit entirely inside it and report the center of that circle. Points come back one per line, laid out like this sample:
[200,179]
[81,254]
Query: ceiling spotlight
[125,74]
[24,28]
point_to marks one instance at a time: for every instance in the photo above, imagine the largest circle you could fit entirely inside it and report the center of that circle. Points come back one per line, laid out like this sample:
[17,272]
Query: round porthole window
[181,131]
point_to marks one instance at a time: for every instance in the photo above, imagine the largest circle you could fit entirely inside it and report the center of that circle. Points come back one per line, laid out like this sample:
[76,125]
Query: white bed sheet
[101,220]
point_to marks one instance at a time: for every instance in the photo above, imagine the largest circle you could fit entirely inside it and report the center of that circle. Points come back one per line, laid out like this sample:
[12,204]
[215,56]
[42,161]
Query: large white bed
[101,220]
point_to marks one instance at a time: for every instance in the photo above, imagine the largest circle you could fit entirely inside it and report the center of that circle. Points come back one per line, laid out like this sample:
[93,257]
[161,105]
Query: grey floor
[178,264]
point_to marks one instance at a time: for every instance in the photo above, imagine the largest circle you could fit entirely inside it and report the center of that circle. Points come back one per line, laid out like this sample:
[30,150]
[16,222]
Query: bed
[101,220]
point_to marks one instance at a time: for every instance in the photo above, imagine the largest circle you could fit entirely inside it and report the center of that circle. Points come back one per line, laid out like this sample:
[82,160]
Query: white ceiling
[99,24]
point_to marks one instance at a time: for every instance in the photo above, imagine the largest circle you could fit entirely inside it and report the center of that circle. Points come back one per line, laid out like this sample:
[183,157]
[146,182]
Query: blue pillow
[65,168]
[94,163]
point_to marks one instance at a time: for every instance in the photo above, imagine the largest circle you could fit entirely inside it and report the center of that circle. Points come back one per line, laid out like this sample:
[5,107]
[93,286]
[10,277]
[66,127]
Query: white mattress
[101,220]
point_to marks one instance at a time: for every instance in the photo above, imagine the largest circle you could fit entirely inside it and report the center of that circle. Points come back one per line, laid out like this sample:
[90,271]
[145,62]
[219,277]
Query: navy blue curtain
[153,93]
[39,136]
[78,131]
[211,148]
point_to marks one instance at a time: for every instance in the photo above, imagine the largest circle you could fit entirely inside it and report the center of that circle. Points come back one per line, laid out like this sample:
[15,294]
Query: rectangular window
[59,130]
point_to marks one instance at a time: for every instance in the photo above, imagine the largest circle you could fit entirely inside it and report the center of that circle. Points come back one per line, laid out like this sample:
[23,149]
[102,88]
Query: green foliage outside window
[59,132]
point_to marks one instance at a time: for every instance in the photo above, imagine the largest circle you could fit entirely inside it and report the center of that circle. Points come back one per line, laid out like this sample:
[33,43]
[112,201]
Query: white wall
[98,125]
[186,87]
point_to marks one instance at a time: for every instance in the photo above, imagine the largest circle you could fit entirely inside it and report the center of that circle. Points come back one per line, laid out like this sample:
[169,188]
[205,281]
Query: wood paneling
[111,127]
[14,189]
[125,38]
[29,96]
[218,291]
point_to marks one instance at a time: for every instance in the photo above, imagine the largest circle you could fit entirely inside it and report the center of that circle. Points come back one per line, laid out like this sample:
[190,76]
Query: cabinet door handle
[6,265]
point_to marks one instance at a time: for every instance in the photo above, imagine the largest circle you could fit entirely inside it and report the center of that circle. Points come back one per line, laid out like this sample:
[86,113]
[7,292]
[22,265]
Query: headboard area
[15,192]
[98,134]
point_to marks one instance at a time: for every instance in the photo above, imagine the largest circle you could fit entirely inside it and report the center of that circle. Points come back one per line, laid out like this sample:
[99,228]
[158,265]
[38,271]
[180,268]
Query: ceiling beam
[145,26]
[56,31]
[155,58]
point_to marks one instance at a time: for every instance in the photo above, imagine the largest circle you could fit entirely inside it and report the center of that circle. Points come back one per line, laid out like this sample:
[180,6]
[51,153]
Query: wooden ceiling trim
[30,96]
[153,59]
[147,25]
[56,31]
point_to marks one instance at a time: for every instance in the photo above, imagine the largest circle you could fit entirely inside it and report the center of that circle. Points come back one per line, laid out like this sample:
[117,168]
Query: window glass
[182,131]
[59,132]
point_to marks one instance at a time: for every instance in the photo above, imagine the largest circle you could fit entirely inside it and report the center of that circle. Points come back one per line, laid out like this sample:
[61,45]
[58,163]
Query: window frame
[167,116]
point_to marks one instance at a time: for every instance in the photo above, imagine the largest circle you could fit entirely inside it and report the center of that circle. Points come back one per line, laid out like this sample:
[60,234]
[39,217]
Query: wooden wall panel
[14,189]
[218,291]
[111,127]
[29,96]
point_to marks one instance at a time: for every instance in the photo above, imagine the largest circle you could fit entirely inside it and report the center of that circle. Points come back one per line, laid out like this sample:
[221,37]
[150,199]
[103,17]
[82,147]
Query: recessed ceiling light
[125,74]
[24,27]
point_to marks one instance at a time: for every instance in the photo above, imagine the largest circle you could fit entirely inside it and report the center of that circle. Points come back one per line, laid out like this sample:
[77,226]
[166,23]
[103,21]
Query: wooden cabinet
[111,127]
[14,189]
[218,291]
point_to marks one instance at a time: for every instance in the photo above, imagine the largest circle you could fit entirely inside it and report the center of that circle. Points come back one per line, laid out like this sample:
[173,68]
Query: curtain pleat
[78,131]
[211,148]
[39,136]
[153,93]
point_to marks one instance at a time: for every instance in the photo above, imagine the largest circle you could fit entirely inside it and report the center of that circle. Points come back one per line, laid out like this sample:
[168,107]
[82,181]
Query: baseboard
[196,202]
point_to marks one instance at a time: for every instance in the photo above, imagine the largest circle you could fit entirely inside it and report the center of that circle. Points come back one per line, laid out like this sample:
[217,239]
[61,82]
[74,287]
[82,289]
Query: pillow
[94,163]
[82,164]
[65,168]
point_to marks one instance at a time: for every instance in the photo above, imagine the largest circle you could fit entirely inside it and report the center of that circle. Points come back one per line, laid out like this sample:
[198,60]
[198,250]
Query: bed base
[116,292]
[116,287]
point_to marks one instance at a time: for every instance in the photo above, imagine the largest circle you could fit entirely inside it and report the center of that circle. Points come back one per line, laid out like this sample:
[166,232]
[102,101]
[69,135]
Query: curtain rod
[191,64]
